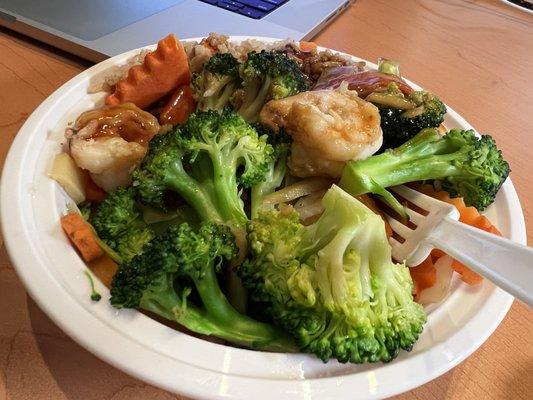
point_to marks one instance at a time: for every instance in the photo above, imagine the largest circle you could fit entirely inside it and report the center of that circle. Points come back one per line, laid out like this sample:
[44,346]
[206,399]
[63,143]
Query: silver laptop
[97,29]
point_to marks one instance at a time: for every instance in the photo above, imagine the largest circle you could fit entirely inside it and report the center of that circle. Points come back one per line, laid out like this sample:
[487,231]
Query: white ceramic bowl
[31,205]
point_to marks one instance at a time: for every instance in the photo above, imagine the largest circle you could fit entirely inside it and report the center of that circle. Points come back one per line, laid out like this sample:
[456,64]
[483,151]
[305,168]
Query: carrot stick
[81,235]
[162,70]
[467,275]
[424,276]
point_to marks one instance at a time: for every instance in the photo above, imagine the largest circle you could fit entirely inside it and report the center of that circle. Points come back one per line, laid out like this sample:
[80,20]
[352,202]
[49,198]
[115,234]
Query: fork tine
[398,227]
[414,217]
[415,197]
[425,202]
[394,243]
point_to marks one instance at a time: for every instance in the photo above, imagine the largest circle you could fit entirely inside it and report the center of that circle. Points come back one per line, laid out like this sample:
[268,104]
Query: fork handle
[507,264]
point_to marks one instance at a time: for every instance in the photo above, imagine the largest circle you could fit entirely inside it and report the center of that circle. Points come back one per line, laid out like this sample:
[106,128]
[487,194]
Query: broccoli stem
[166,303]
[272,181]
[218,318]
[193,193]
[224,96]
[255,98]
[232,325]
[228,201]
[433,167]
[419,159]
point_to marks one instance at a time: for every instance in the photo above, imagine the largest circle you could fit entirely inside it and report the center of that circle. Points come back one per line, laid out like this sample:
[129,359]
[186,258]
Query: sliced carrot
[467,215]
[104,268]
[178,107]
[424,276]
[162,70]
[467,275]
[81,235]
[436,254]
[93,192]
[370,203]
[308,47]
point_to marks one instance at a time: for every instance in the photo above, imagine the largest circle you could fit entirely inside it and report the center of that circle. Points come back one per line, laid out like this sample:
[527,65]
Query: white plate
[31,205]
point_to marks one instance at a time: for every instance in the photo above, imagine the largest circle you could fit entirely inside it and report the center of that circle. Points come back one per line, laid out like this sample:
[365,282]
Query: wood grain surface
[477,55]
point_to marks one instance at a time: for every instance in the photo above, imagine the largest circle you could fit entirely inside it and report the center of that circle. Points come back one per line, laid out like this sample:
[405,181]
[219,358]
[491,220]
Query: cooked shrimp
[111,141]
[328,128]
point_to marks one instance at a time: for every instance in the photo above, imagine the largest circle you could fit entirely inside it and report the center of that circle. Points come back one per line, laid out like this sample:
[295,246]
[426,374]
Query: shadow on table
[77,373]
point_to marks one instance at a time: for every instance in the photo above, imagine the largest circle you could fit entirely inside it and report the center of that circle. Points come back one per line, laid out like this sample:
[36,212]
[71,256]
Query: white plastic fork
[507,264]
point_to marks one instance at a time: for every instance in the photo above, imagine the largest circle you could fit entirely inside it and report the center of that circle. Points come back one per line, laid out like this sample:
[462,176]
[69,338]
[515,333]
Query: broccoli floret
[267,76]
[205,160]
[459,162]
[215,85]
[183,261]
[119,224]
[95,296]
[280,142]
[400,125]
[332,284]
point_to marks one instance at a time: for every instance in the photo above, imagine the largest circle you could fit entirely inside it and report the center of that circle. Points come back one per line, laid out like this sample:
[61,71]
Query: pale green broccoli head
[332,284]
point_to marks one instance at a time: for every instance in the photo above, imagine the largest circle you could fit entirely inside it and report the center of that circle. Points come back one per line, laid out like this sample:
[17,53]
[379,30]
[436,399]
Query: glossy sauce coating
[125,120]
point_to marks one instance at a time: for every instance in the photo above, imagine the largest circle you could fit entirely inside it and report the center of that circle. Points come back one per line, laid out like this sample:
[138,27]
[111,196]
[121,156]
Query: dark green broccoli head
[116,213]
[223,64]
[119,224]
[267,76]
[204,161]
[399,125]
[215,84]
[158,168]
[180,251]
[480,169]
[179,262]
[286,77]
[459,162]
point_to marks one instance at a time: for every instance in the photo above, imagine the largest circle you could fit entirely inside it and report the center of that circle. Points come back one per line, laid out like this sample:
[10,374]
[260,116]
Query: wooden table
[477,55]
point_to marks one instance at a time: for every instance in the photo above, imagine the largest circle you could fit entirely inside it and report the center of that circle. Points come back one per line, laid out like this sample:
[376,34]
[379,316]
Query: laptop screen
[86,19]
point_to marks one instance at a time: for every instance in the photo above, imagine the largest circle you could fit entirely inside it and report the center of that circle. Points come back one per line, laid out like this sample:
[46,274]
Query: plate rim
[20,258]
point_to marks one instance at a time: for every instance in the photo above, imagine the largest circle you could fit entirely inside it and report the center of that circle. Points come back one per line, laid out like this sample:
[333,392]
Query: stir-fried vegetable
[209,201]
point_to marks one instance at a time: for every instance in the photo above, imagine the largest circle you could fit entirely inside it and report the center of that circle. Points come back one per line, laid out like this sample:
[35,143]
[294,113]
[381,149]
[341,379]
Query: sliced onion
[296,190]
[437,292]
[153,215]
[414,112]
[310,205]
[390,100]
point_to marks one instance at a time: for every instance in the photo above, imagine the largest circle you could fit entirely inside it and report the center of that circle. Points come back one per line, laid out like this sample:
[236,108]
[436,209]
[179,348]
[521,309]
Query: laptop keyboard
[255,9]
